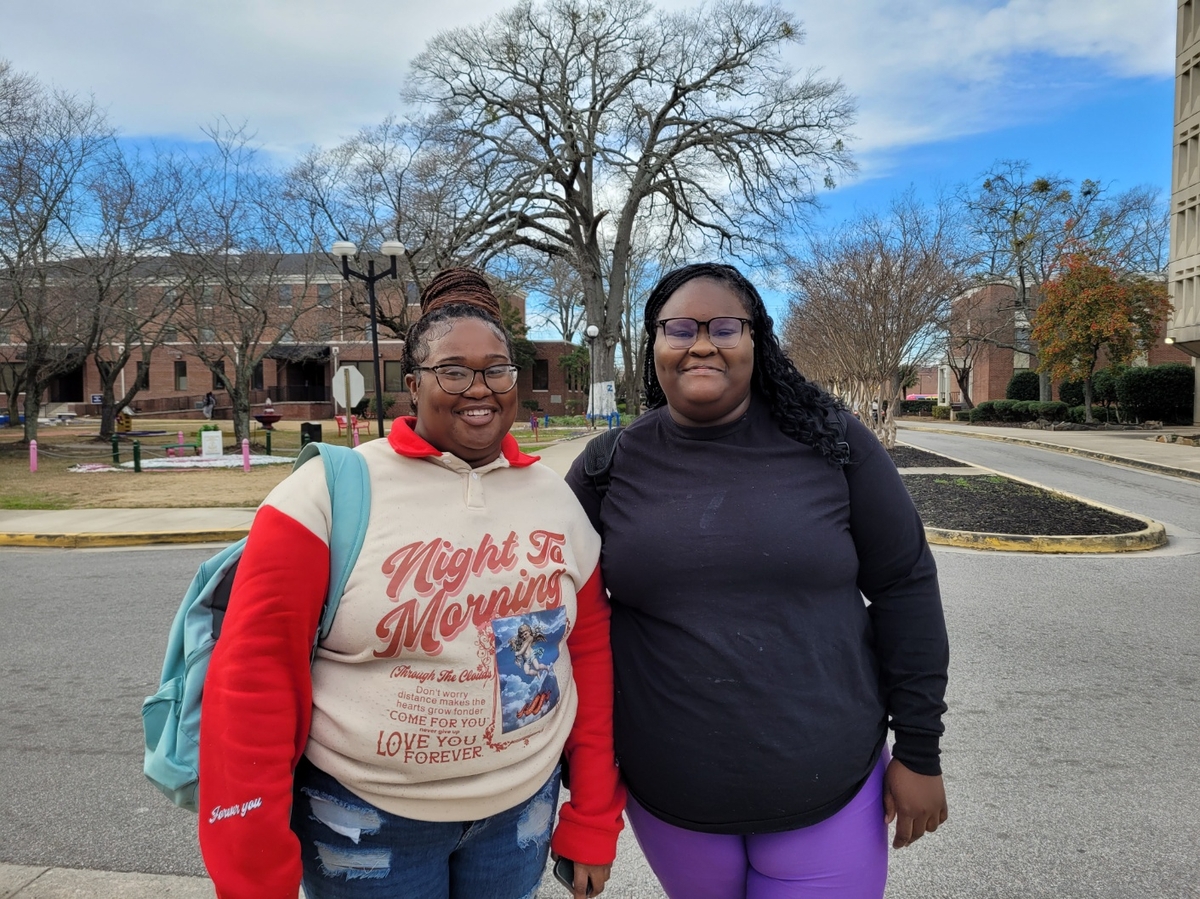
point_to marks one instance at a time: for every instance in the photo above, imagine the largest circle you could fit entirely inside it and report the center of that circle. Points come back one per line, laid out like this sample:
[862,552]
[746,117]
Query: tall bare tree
[587,112]
[867,303]
[50,143]
[244,276]
[117,240]
[397,181]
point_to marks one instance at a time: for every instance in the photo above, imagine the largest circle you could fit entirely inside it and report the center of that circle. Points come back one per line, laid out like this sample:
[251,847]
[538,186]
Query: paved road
[1070,756]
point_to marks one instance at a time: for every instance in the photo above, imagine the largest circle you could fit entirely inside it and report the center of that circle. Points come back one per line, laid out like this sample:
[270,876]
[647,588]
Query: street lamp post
[392,248]
[592,332]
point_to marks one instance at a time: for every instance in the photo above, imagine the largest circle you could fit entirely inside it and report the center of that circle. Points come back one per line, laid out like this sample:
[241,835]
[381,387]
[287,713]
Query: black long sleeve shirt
[754,686]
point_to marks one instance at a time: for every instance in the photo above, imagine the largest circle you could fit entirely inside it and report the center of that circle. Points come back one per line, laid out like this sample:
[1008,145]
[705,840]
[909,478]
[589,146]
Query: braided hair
[799,407]
[452,294]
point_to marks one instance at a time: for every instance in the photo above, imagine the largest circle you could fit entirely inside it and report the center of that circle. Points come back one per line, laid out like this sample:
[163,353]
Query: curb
[1072,450]
[133,538]
[1152,536]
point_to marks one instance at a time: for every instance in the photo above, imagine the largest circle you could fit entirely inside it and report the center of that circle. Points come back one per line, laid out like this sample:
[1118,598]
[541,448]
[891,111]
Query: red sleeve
[257,709]
[590,820]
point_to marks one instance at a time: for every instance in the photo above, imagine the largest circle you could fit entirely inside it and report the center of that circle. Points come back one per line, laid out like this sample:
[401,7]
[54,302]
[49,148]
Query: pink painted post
[181,440]
[354,431]
[245,454]
[32,456]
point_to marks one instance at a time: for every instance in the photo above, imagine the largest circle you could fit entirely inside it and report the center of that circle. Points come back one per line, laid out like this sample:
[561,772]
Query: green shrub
[1104,384]
[1158,393]
[1023,385]
[208,427]
[1052,411]
[366,406]
[1071,392]
[985,411]
[942,412]
[1078,414]
[917,407]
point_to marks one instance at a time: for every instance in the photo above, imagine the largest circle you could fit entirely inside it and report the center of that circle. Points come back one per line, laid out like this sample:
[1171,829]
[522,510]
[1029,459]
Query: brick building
[300,303]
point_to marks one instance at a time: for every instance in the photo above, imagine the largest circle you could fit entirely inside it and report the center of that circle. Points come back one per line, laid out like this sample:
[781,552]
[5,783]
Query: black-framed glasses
[459,378]
[724,332]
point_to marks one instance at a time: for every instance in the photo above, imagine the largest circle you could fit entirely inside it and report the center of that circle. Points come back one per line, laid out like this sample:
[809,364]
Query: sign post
[348,390]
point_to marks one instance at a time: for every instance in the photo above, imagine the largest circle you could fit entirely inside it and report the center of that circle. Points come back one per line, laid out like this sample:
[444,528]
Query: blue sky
[1079,88]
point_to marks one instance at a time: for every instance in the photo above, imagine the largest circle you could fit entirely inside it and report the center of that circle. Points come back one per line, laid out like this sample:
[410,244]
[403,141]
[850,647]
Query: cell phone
[564,873]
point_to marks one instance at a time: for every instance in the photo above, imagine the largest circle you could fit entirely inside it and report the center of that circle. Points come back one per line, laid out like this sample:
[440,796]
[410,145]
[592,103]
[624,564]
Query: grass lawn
[61,447]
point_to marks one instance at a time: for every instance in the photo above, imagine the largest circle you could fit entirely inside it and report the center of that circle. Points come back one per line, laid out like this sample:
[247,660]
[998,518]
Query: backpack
[599,452]
[171,717]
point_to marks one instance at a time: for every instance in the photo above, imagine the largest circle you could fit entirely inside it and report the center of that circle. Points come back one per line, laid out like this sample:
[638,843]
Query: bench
[340,421]
[179,448]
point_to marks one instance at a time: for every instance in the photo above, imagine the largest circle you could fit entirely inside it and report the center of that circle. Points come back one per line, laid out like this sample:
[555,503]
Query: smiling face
[704,385]
[469,425]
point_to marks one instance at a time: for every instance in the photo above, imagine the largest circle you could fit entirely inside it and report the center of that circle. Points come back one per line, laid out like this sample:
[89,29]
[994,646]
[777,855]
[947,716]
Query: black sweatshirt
[754,687]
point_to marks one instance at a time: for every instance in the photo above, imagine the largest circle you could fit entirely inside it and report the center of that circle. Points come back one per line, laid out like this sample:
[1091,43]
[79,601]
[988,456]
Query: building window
[208,335]
[541,374]
[324,294]
[206,297]
[393,376]
[218,369]
[367,369]
[143,375]
[170,335]
[324,330]
[256,379]
[285,294]
[181,375]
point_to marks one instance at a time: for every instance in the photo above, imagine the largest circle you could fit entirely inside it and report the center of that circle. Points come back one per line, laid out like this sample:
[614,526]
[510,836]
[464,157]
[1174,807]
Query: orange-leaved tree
[1088,306]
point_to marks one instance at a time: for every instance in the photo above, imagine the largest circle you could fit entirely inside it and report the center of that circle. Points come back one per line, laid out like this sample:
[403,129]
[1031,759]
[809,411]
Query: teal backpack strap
[350,496]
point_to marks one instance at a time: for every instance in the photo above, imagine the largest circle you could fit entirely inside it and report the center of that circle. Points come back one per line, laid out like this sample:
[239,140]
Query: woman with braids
[754,685]
[417,756]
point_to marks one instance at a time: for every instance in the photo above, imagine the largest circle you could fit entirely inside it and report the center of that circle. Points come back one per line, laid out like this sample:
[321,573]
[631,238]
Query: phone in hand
[564,873]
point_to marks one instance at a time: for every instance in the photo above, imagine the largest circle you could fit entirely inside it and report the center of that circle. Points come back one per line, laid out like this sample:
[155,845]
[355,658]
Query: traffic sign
[348,379]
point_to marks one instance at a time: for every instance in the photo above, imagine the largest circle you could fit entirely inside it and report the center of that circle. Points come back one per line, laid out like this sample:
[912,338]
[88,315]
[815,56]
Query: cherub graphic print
[527,646]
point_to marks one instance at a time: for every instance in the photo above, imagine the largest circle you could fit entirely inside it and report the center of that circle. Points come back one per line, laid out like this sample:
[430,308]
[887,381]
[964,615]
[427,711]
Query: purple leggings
[844,856]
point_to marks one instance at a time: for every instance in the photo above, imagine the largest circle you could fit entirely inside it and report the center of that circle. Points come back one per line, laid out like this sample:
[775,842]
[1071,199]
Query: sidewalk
[1137,449]
[82,528]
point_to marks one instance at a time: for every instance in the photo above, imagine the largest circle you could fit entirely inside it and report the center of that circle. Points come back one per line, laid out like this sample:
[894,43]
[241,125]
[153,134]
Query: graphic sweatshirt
[470,648]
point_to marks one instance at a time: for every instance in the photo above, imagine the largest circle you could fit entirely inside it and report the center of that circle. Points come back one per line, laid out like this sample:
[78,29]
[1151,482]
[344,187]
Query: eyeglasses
[723,333]
[459,378]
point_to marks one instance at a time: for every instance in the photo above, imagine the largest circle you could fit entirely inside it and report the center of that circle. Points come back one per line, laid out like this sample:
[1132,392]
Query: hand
[916,802]
[599,875]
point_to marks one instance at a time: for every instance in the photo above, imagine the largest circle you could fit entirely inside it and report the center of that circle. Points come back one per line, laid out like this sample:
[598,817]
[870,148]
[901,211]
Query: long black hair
[800,408]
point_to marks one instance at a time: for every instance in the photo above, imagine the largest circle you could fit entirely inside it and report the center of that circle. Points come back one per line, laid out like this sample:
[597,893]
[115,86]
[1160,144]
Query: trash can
[310,432]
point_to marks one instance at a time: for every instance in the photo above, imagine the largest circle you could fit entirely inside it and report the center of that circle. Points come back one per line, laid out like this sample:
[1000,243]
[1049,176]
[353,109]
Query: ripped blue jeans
[352,850]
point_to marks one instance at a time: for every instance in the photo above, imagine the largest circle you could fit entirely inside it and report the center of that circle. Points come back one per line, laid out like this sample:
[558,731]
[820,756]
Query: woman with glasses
[775,612]
[419,755]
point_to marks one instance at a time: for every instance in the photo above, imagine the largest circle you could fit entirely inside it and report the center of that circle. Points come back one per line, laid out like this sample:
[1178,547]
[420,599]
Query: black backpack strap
[598,458]
[841,449]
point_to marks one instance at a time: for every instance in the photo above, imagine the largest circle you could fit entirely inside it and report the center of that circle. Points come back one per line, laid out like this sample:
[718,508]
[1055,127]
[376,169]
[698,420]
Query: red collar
[404,440]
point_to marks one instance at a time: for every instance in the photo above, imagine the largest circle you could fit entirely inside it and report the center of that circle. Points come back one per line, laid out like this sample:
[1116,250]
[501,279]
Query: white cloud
[931,69]
[300,73]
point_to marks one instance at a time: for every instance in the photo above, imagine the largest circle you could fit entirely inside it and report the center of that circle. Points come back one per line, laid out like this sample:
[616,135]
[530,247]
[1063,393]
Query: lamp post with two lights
[391,248]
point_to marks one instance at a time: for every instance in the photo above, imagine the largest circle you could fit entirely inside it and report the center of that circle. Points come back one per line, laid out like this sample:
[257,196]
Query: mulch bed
[999,505]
